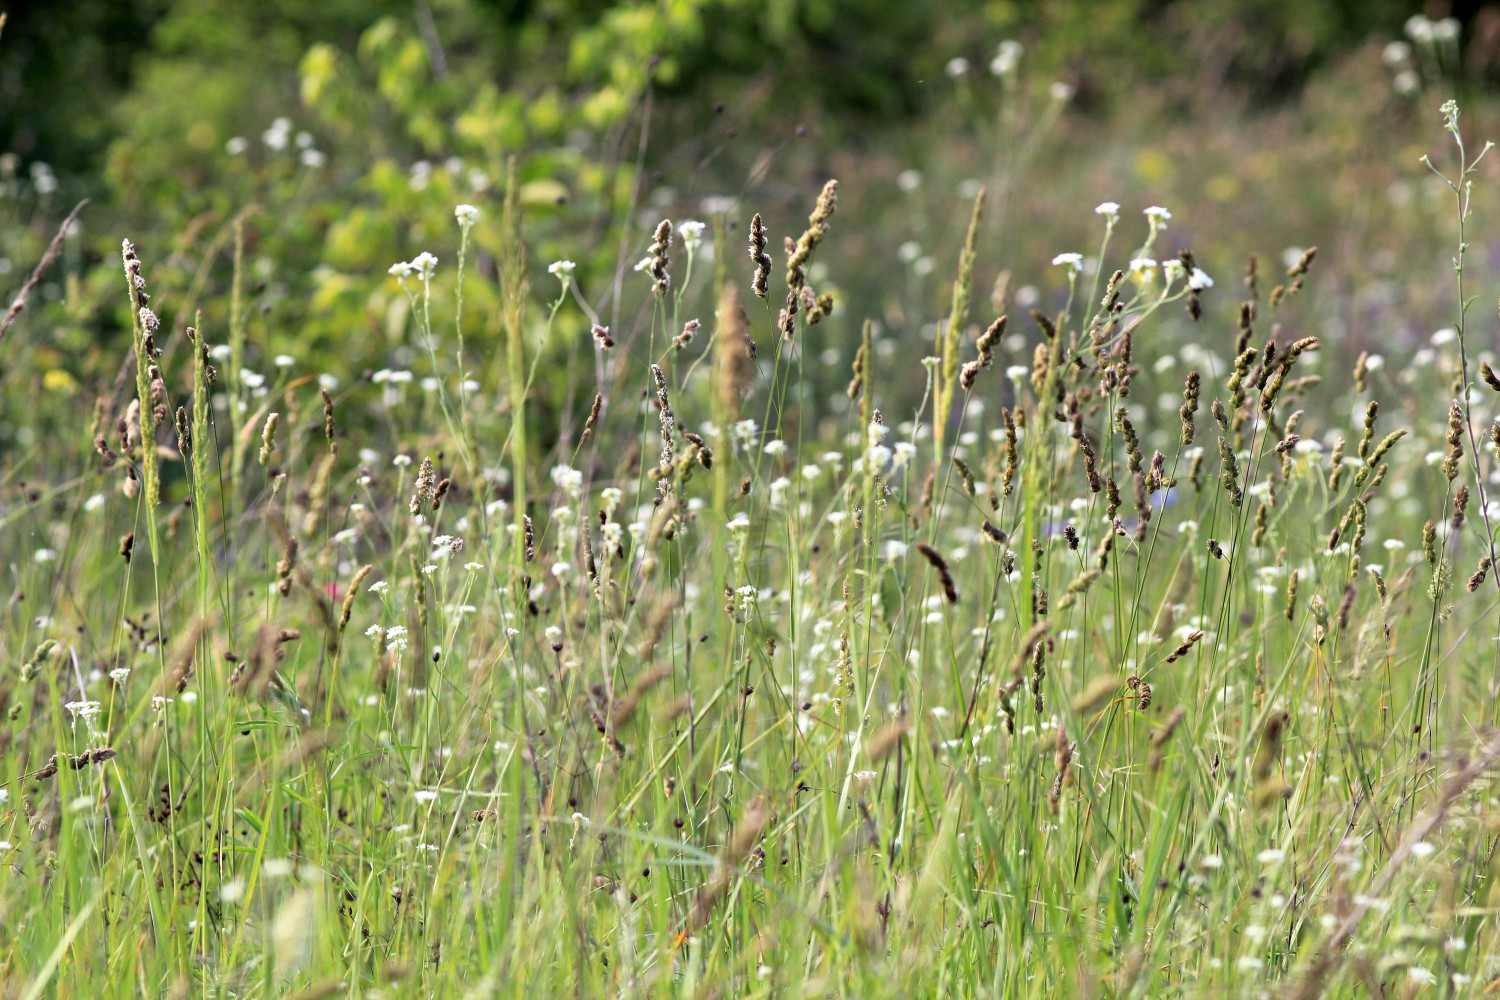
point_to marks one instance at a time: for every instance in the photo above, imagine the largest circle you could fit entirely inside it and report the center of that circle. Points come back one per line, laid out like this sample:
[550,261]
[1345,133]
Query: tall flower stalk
[1463,195]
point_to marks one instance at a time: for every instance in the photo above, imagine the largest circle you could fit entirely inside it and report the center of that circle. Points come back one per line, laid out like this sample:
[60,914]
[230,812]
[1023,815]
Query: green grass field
[1115,647]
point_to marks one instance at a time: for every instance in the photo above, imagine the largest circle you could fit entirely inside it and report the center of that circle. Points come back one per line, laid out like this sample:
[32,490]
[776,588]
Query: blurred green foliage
[64,67]
[79,74]
[348,130]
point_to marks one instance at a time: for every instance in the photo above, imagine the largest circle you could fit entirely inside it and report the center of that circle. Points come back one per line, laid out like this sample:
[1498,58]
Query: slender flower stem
[1463,192]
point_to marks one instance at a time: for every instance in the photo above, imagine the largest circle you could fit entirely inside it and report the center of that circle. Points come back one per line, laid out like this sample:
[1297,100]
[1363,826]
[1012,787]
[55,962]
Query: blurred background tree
[78,76]
[350,128]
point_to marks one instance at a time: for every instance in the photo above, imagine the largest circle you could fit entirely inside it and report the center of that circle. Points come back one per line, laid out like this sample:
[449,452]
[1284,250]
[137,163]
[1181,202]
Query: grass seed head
[268,437]
[661,245]
[945,576]
[760,284]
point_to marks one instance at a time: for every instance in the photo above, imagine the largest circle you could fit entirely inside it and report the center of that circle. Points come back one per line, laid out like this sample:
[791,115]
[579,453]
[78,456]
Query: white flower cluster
[692,234]
[82,709]
[569,480]
[1007,58]
[395,636]
[423,265]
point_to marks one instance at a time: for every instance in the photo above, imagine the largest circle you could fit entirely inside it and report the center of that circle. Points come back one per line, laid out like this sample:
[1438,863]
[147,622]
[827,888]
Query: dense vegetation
[682,573]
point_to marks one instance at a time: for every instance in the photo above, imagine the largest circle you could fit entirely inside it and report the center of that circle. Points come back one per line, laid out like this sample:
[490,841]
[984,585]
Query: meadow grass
[1126,665]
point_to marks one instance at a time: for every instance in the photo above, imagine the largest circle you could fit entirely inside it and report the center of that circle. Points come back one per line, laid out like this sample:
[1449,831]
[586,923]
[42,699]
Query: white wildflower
[82,709]
[1007,56]
[903,452]
[748,597]
[568,479]
[424,264]
[744,430]
[692,234]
